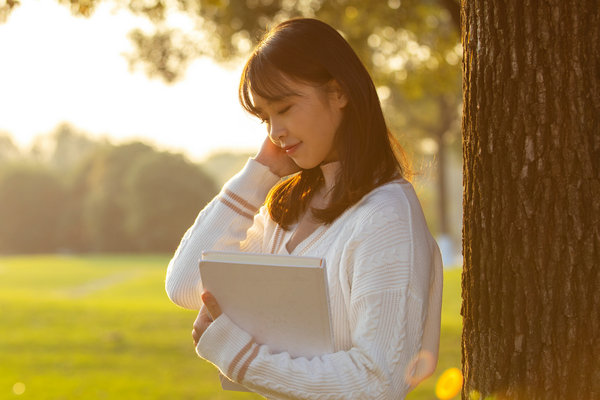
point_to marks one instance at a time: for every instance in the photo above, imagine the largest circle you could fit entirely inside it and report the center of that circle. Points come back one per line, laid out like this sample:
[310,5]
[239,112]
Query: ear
[337,95]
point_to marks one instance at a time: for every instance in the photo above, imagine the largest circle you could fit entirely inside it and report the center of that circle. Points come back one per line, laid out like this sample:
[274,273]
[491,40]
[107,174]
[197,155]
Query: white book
[282,301]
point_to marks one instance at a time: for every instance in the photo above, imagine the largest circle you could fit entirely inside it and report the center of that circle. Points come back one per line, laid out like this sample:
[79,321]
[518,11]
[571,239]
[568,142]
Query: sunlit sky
[58,68]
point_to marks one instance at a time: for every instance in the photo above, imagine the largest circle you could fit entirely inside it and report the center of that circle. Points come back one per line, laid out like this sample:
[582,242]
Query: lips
[291,148]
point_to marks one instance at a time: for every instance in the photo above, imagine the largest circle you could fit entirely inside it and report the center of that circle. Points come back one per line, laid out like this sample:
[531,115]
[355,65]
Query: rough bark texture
[531,233]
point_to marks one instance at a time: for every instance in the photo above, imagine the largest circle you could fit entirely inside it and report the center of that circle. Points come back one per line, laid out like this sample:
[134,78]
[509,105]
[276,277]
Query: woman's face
[304,124]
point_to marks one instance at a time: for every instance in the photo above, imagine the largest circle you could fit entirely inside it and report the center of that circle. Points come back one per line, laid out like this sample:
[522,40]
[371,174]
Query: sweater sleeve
[231,221]
[387,314]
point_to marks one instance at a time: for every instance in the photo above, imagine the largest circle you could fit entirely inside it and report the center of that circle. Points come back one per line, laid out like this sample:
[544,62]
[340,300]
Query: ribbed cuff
[253,182]
[222,342]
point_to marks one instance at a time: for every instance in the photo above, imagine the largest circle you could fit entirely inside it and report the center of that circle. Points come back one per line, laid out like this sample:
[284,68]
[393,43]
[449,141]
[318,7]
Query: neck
[330,171]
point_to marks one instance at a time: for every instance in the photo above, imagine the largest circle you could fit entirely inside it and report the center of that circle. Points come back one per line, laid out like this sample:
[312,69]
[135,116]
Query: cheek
[333,126]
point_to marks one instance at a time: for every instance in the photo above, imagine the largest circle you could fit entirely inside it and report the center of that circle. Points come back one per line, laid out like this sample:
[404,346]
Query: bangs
[261,77]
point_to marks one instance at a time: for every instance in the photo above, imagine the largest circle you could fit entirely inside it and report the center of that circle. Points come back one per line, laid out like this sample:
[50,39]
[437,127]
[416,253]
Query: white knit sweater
[385,285]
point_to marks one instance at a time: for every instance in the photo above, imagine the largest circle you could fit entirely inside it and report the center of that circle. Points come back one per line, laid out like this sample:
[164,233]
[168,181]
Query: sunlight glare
[18,388]
[72,69]
[449,384]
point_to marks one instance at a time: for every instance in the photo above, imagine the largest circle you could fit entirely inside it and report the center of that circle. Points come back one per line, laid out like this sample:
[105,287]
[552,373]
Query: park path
[96,285]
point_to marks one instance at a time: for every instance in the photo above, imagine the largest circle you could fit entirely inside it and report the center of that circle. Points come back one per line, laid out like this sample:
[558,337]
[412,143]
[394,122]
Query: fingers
[195,336]
[208,313]
[211,304]
[201,324]
[276,159]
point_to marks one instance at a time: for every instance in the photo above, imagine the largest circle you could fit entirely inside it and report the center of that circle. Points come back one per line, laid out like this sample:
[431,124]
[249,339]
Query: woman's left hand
[208,313]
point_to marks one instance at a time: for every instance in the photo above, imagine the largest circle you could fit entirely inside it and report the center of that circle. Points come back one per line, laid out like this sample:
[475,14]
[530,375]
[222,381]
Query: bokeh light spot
[351,12]
[19,388]
[449,384]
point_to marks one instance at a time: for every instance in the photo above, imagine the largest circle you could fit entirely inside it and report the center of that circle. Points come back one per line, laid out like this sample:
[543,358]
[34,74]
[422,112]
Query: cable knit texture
[384,274]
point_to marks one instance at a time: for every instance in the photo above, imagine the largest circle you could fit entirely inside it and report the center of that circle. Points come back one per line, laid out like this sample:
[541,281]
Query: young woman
[345,199]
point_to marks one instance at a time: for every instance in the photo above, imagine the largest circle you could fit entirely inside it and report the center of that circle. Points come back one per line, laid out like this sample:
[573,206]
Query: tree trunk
[531,229]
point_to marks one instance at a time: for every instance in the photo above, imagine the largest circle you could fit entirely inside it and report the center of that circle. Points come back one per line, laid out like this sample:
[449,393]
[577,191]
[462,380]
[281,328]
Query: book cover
[282,301]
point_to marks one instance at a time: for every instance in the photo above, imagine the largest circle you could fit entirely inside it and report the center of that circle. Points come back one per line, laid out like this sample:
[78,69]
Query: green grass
[101,327]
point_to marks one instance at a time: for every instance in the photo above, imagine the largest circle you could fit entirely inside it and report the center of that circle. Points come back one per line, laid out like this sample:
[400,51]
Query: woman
[347,201]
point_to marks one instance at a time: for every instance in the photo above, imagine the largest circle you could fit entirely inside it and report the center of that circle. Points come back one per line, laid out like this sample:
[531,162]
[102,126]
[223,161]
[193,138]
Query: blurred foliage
[6,6]
[63,148]
[164,193]
[104,206]
[31,205]
[9,151]
[72,193]
[222,166]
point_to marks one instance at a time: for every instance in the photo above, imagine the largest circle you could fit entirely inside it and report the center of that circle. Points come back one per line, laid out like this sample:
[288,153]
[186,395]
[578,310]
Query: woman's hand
[276,159]
[208,313]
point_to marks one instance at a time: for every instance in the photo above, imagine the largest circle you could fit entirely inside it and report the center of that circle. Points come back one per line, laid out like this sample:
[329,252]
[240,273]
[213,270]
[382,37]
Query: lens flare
[18,388]
[449,384]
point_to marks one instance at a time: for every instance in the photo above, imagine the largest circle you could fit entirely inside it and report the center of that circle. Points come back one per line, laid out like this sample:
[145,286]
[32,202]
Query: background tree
[164,193]
[31,205]
[222,166]
[70,192]
[105,204]
[531,126]
[63,148]
[73,229]
[9,151]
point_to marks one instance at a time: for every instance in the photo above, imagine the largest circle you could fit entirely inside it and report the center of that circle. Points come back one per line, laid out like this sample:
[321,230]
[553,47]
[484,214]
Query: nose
[276,132]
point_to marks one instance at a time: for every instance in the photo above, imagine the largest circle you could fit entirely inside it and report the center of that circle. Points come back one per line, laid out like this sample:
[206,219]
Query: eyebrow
[276,100]
[279,99]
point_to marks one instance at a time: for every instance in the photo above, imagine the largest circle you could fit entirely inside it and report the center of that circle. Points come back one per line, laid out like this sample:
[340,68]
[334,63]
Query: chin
[307,165]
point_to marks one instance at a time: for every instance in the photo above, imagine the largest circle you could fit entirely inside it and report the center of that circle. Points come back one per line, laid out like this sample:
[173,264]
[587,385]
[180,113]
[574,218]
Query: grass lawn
[101,327]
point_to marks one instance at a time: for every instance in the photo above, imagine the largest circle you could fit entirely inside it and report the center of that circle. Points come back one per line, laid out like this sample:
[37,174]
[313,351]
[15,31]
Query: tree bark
[531,224]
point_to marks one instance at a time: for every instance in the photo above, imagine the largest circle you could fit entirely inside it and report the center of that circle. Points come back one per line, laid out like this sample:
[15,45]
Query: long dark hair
[311,51]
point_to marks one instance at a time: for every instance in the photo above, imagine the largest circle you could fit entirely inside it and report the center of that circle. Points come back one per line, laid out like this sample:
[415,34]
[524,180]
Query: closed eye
[284,110]
[265,120]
